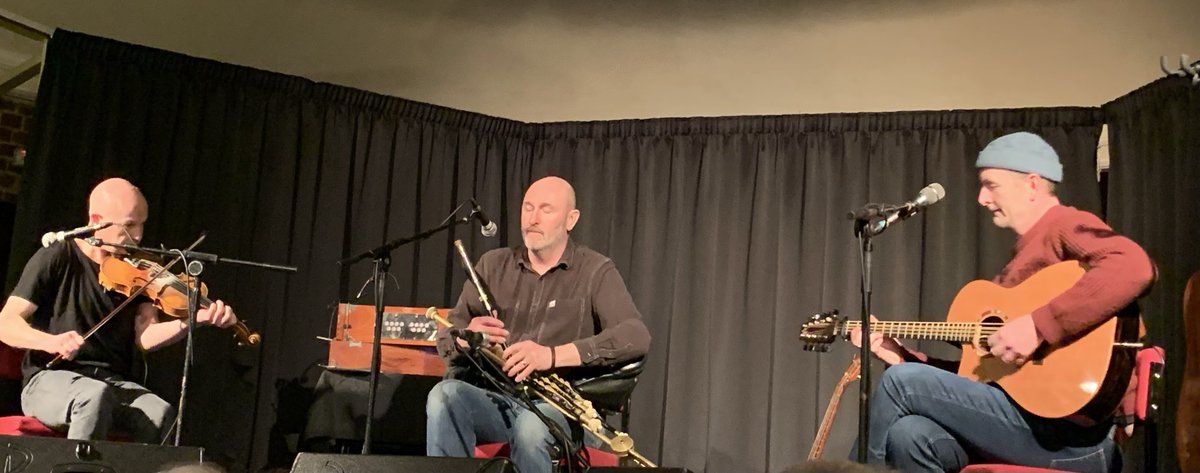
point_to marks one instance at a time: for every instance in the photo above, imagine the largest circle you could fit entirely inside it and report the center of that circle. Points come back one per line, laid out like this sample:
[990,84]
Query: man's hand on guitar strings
[887,349]
[1016,341]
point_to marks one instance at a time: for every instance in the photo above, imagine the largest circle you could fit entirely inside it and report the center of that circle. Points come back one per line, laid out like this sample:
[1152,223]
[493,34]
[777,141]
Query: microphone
[53,237]
[929,195]
[488,227]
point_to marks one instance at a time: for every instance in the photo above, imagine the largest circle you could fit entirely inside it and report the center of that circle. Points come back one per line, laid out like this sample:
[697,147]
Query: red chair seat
[985,468]
[22,425]
[595,457]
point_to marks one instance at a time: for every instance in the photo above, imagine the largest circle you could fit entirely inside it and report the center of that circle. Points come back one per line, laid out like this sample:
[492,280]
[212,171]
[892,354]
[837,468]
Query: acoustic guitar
[851,374]
[1086,377]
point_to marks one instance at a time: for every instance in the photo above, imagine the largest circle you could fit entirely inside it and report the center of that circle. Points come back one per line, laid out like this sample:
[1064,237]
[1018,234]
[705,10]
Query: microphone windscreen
[931,194]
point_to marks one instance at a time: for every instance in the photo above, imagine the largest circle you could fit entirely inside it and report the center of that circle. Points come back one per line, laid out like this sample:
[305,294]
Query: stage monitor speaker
[329,463]
[57,455]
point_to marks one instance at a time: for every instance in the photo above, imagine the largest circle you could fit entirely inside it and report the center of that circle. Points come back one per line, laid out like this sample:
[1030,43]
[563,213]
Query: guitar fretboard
[963,332]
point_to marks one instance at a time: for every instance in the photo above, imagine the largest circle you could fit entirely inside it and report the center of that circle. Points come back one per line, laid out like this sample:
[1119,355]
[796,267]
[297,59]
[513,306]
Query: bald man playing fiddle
[561,304]
[59,297]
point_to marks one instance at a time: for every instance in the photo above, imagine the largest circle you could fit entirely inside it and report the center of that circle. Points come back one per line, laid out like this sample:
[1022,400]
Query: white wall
[552,60]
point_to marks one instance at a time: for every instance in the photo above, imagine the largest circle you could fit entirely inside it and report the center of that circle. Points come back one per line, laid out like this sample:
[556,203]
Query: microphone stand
[383,259]
[863,230]
[194,265]
[866,227]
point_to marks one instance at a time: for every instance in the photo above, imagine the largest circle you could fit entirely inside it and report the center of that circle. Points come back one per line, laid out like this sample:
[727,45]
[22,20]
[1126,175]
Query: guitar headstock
[820,331]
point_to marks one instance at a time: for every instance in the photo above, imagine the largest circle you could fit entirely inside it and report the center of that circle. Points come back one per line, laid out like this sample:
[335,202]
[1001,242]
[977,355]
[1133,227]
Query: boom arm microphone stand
[381,255]
[863,231]
[870,221]
[194,265]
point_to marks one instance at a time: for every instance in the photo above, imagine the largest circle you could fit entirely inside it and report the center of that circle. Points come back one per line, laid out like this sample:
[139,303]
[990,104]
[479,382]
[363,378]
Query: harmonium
[409,341]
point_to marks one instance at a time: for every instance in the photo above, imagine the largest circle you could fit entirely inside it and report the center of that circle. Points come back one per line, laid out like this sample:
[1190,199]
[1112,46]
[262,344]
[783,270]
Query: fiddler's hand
[65,344]
[217,314]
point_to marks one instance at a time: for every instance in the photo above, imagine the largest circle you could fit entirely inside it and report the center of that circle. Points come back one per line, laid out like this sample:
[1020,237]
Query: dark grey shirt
[581,300]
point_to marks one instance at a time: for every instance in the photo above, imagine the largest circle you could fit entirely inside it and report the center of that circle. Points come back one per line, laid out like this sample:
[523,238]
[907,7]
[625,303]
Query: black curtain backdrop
[1154,135]
[729,232]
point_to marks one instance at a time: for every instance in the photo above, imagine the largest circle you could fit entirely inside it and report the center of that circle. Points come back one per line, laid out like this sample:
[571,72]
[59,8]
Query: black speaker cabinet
[56,455]
[329,463]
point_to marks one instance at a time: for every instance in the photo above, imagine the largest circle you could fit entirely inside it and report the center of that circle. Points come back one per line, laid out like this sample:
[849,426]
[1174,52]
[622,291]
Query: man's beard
[540,245]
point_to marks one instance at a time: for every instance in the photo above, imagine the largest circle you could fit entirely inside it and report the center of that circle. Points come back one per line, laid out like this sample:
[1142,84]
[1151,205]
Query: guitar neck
[818,445]
[962,332]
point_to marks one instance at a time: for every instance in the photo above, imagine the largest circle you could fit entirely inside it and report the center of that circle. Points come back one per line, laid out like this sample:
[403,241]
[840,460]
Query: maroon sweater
[1118,272]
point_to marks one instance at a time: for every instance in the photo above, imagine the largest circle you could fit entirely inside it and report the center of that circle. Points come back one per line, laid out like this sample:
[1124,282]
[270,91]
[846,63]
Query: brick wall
[16,119]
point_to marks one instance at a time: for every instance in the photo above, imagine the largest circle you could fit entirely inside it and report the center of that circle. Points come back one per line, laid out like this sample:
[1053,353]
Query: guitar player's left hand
[1016,341]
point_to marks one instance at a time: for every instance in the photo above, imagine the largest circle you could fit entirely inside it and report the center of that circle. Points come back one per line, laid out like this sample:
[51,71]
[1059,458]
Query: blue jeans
[924,418]
[461,415]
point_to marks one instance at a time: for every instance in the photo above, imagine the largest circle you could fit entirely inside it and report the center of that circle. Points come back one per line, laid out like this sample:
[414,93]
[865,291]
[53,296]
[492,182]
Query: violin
[168,291]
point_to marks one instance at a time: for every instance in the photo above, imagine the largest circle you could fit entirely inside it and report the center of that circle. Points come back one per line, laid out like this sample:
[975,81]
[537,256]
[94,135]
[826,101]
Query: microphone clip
[872,219]
[869,212]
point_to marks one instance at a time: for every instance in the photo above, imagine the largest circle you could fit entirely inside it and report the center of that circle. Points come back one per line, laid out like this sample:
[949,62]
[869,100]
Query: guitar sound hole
[989,323]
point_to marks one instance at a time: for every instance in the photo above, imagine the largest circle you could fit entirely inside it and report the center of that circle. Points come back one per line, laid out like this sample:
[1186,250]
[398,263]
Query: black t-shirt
[65,285]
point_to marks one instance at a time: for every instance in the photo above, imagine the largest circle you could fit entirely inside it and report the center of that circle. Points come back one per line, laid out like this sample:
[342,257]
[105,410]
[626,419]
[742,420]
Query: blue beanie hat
[1022,152]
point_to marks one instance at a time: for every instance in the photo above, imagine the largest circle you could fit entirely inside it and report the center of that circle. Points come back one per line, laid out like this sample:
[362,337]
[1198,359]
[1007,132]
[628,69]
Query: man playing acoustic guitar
[925,418]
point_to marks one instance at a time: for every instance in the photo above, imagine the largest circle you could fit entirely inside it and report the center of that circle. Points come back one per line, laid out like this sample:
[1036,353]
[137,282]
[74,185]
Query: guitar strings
[955,331]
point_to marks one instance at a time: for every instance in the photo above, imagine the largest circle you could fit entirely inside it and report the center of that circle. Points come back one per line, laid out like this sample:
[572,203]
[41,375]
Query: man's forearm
[17,333]
[161,334]
[566,356]
[625,341]
[15,330]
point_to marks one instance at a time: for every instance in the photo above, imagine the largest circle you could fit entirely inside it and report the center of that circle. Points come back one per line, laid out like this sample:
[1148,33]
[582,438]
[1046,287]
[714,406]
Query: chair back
[609,390]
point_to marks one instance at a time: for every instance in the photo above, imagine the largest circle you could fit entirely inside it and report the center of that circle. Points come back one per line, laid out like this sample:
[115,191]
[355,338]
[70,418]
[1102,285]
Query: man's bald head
[114,194]
[548,213]
[553,188]
[118,201]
